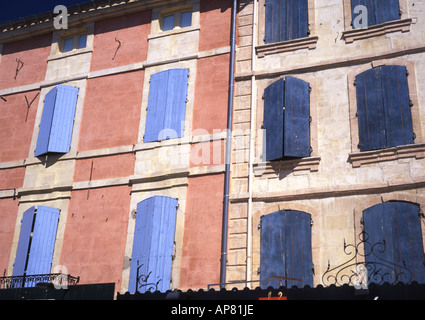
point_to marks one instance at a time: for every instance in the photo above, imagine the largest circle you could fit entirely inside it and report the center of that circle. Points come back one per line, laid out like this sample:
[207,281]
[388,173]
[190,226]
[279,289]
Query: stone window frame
[60,36]
[350,34]
[417,150]
[159,14]
[308,42]
[310,163]
[316,227]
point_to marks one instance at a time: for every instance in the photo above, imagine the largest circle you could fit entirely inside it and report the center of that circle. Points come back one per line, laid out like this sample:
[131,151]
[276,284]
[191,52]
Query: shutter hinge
[262,126]
[258,270]
[311,222]
[414,136]
[310,150]
[310,119]
[362,221]
[259,226]
[357,114]
[410,103]
[309,89]
[354,83]
[407,73]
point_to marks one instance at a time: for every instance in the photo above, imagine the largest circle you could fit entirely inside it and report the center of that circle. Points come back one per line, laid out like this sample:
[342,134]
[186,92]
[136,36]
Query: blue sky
[15,9]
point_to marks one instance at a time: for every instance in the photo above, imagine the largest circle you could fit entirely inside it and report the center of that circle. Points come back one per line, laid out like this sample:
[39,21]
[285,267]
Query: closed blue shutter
[57,120]
[387,10]
[286,249]
[370,110]
[46,123]
[24,243]
[286,20]
[273,120]
[397,225]
[153,244]
[398,116]
[63,119]
[166,105]
[297,118]
[43,240]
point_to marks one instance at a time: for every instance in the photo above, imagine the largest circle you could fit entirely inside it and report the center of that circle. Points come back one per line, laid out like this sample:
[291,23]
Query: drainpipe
[251,148]
[223,262]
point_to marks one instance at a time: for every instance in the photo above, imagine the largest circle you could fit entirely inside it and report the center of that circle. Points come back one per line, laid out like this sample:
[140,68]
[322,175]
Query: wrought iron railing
[58,280]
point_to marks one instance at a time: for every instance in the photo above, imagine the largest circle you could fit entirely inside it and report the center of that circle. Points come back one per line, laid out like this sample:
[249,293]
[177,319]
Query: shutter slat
[43,241]
[63,119]
[176,101]
[23,244]
[297,118]
[386,10]
[273,120]
[46,123]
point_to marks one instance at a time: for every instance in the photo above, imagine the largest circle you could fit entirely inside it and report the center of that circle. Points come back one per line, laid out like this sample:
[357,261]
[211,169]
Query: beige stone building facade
[337,181]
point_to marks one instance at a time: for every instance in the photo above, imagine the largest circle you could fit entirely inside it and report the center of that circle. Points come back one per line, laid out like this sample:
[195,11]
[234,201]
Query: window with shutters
[36,242]
[371,18]
[166,108]
[286,26]
[286,250]
[286,120]
[383,108]
[396,228]
[57,121]
[386,122]
[153,245]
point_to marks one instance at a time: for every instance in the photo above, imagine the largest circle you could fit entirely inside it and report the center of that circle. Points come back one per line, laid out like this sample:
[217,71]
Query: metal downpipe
[223,261]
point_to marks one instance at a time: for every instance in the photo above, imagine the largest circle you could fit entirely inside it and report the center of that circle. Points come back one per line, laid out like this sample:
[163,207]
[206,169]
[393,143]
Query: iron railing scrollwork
[59,280]
[366,266]
[143,284]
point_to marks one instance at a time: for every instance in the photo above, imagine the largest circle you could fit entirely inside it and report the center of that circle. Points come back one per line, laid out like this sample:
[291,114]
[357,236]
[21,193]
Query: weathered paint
[111,112]
[94,240]
[121,41]
[12,178]
[33,52]
[211,93]
[15,144]
[200,263]
[104,167]
[8,215]
[215,21]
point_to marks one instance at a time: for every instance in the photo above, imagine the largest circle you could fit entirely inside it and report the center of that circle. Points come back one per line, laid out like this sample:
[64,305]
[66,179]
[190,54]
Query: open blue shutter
[63,119]
[387,10]
[273,120]
[24,242]
[286,249]
[46,123]
[396,224]
[370,110]
[297,118]
[398,117]
[153,244]
[43,241]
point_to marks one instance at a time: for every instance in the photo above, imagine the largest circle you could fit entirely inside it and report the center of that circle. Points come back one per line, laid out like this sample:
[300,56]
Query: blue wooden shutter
[398,116]
[43,240]
[387,10]
[286,249]
[286,20]
[153,243]
[24,243]
[370,110]
[46,123]
[297,118]
[397,225]
[273,120]
[63,119]
[176,102]
[166,105]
